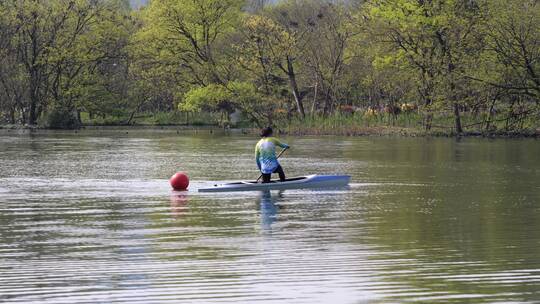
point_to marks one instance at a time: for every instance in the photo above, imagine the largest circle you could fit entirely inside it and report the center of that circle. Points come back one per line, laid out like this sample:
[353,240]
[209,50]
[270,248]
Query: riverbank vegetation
[304,66]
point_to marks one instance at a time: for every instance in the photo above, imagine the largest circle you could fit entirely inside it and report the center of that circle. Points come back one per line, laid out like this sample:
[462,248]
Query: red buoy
[179,181]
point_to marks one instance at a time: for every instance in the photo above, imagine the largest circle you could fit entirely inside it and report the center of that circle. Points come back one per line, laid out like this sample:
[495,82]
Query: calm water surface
[89,217]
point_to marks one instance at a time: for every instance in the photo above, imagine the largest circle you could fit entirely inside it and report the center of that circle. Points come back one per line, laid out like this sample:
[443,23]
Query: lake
[89,216]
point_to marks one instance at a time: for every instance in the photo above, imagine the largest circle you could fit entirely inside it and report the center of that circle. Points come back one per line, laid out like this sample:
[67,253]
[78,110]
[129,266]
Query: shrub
[60,118]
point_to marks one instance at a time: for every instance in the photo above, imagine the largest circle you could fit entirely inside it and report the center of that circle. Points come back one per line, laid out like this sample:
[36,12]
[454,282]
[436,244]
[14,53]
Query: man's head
[267,132]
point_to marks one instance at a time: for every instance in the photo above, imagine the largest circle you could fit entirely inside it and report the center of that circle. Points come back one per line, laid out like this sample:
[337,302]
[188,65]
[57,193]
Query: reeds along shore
[339,124]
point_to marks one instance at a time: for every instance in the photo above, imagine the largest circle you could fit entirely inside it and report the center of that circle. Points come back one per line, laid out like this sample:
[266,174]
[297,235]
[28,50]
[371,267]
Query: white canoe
[302,182]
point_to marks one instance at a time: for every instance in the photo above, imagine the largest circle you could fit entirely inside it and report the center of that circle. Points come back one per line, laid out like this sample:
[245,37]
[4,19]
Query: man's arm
[257,153]
[280,144]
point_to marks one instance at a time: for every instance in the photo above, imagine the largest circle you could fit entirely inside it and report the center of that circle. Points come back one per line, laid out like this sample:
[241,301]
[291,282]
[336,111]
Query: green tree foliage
[182,45]
[12,77]
[436,39]
[513,34]
[225,99]
[213,97]
[329,30]
[53,49]
[462,64]
[190,36]
[263,54]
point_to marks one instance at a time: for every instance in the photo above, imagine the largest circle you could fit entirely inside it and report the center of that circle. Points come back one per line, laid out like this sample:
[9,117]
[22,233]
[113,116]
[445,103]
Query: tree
[188,36]
[329,30]
[437,39]
[12,80]
[39,24]
[275,44]
[54,43]
[104,84]
[225,99]
[513,29]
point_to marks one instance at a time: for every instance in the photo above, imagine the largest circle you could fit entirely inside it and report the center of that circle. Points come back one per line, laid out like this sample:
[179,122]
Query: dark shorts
[267,176]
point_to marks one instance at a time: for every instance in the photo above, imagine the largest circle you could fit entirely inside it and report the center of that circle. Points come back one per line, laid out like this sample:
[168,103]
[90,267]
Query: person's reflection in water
[269,209]
[179,204]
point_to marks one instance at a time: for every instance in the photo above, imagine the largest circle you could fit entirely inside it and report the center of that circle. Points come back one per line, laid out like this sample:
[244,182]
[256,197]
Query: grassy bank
[153,119]
[125,120]
[409,124]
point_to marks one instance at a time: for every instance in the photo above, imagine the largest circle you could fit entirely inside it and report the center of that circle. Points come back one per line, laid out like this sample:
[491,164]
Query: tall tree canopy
[475,63]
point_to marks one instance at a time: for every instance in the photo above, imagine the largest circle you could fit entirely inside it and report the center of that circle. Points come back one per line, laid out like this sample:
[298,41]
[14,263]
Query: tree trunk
[137,109]
[34,96]
[453,96]
[459,129]
[491,113]
[313,106]
[428,116]
[327,102]
[32,117]
[295,90]
[427,121]
[426,90]
[12,115]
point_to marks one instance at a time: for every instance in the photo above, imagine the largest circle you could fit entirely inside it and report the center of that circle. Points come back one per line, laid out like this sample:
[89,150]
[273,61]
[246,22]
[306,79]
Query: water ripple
[91,219]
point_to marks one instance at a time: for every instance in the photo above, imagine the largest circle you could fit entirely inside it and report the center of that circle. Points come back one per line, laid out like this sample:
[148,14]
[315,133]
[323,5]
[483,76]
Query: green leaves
[210,98]
[186,33]
[216,56]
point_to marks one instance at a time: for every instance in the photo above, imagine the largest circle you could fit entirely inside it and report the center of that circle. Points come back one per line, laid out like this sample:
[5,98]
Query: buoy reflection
[179,204]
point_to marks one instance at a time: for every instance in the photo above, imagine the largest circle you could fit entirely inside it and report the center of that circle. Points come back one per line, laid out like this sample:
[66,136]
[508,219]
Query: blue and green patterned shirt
[265,154]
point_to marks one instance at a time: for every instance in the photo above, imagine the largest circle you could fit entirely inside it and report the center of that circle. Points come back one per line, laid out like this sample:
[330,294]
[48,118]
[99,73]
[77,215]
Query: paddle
[276,158]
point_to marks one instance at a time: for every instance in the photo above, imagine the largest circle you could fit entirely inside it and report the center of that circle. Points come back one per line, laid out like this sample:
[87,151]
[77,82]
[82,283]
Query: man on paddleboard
[265,155]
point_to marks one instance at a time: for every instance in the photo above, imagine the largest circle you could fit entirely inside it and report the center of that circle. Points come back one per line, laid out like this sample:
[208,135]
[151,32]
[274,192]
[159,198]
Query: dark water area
[89,217]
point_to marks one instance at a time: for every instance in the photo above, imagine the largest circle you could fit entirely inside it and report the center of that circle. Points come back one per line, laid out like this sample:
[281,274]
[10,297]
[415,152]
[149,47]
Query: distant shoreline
[295,131]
